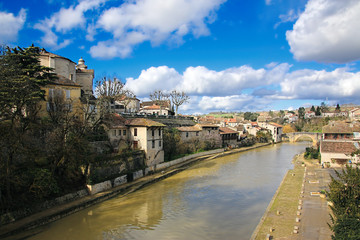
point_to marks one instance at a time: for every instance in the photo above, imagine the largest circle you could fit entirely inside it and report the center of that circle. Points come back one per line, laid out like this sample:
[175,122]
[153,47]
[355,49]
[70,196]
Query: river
[223,198]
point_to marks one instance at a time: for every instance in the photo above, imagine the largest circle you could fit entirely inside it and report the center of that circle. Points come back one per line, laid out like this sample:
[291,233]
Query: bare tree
[178,98]
[159,97]
[109,88]
[126,98]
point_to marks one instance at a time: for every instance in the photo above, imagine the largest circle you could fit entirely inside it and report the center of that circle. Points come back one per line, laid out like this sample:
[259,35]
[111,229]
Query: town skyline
[227,55]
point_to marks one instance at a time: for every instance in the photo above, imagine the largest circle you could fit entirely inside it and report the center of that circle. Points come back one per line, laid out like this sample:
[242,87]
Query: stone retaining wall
[99,187]
[165,165]
[120,180]
[16,215]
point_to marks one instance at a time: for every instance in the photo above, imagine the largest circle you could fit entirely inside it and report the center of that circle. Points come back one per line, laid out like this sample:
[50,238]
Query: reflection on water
[222,198]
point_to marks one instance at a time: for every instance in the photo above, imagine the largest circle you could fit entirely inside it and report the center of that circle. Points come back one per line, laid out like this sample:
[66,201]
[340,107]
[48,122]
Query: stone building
[275,129]
[340,140]
[137,133]
[73,82]
[229,137]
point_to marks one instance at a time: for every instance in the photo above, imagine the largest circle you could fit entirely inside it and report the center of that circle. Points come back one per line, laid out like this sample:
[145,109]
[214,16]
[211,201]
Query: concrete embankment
[295,212]
[161,172]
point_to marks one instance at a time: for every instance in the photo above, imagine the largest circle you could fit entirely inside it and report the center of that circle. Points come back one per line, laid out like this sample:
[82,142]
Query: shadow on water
[222,198]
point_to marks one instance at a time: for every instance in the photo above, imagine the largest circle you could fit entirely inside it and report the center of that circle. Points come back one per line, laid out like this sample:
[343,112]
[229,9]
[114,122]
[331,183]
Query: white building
[275,129]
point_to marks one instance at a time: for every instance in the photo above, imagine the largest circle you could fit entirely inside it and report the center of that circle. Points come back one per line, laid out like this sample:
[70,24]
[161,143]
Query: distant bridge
[298,136]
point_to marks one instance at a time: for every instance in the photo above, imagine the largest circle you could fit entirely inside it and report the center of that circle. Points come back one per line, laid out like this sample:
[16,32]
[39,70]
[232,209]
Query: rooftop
[225,130]
[338,147]
[341,127]
[142,122]
[189,129]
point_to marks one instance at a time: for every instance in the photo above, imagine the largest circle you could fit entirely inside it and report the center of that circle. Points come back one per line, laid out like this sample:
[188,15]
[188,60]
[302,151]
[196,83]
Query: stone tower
[84,77]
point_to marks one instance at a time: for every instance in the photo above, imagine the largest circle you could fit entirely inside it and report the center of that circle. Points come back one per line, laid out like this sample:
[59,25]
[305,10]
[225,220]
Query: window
[50,107]
[135,131]
[114,133]
[135,144]
[72,77]
[153,132]
[124,132]
[187,134]
[197,134]
[153,143]
[119,132]
[67,94]
[159,132]
[51,93]
[160,143]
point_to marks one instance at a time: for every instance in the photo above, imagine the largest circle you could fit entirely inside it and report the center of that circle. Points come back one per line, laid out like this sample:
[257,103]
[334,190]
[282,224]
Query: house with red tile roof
[155,109]
[137,133]
[275,129]
[354,114]
[229,137]
[201,131]
[189,133]
[340,140]
[231,122]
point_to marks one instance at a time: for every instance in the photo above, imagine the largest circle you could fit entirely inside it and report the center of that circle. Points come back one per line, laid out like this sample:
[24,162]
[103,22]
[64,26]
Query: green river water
[223,198]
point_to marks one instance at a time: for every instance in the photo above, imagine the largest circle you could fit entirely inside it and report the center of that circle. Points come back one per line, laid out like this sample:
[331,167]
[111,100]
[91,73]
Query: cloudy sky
[230,55]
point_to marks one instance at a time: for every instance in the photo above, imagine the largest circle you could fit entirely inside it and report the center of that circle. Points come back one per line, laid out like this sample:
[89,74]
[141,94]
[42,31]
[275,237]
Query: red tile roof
[152,107]
[225,130]
[276,125]
[189,129]
[337,147]
[341,127]
[206,125]
[231,120]
[142,122]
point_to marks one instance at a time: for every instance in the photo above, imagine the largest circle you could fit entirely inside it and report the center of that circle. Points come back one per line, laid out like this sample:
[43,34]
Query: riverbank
[295,212]
[60,211]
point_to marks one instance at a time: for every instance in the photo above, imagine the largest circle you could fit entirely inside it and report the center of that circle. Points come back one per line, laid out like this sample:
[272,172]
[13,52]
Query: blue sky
[230,55]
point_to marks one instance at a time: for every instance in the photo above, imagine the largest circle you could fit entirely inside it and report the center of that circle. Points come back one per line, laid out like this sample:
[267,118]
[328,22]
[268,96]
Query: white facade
[275,129]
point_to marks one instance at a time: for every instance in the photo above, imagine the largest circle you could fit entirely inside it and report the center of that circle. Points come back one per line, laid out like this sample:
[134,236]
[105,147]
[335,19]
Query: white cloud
[226,103]
[327,31]
[312,84]
[268,2]
[64,21]
[153,20]
[291,16]
[202,81]
[154,78]
[244,88]
[10,25]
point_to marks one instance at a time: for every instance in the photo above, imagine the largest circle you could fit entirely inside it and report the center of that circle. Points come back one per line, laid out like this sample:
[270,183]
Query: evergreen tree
[318,111]
[337,108]
[301,112]
[312,108]
[345,196]
[21,80]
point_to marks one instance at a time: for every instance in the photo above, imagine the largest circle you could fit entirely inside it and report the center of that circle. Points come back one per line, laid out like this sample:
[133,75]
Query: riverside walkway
[315,213]
[297,211]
